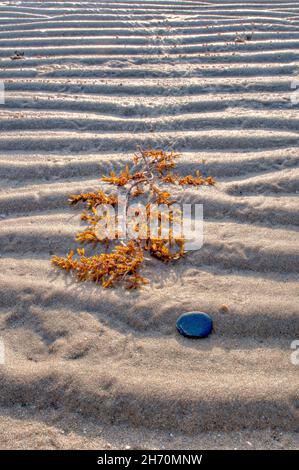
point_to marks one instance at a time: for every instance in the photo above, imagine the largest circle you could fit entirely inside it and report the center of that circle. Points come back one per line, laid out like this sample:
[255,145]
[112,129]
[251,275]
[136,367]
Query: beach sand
[92,368]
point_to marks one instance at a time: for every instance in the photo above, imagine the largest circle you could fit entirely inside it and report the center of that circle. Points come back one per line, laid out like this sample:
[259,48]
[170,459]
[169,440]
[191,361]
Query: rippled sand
[87,368]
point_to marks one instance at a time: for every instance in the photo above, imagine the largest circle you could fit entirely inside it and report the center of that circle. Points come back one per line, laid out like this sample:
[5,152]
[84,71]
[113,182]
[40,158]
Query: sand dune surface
[84,83]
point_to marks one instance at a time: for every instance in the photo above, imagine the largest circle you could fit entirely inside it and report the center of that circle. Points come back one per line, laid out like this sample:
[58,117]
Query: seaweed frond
[122,264]
[93,199]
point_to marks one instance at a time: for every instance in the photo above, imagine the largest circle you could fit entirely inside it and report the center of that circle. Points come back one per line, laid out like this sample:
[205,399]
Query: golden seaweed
[151,169]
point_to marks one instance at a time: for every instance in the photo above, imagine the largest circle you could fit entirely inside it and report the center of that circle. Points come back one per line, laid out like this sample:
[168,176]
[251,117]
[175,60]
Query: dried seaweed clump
[151,171]
[108,268]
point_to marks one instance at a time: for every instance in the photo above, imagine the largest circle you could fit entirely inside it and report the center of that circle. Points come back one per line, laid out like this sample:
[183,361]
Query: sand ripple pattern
[212,80]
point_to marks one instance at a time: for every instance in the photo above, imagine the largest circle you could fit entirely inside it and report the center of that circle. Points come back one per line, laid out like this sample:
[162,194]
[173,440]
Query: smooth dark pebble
[195,324]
